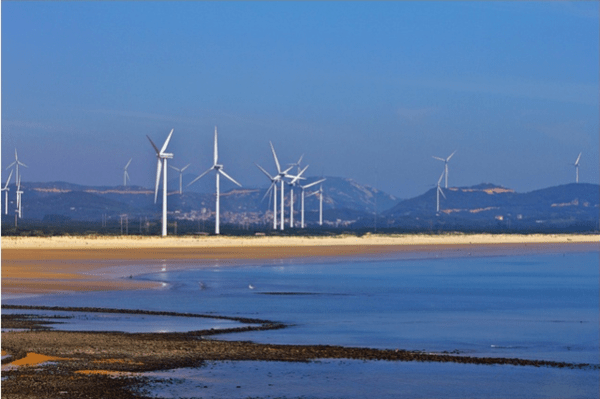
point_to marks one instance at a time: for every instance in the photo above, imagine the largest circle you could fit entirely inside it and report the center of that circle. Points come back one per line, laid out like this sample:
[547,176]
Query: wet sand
[37,265]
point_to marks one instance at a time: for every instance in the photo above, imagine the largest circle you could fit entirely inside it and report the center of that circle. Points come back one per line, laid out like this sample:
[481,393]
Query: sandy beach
[36,265]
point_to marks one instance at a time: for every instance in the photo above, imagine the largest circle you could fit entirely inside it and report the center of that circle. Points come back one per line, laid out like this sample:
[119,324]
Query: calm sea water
[532,306]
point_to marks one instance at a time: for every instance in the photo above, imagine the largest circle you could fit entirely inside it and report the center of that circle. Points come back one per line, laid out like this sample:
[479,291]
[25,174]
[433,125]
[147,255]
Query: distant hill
[54,200]
[491,206]
[346,204]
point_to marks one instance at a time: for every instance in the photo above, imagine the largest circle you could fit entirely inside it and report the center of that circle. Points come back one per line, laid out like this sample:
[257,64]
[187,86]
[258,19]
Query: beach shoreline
[41,265]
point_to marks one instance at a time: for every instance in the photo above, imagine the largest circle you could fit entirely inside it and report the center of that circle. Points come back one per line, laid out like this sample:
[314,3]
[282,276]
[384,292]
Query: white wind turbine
[17,163]
[576,164]
[162,157]
[281,174]
[445,165]
[19,195]
[320,193]
[7,189]
[302,201]
[180,174]
[126,174]
[438,192]
[273,186]
[292,183]
[218,171]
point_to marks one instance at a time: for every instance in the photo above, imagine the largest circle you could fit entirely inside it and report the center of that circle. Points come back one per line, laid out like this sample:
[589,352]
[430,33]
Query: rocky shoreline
[104,364]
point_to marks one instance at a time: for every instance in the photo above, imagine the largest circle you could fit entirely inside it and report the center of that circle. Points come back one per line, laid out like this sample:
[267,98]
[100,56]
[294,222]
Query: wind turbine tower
[281,174]
[180,175]
[302,206]
[162,157]
[446,165]
[320,193]
[292,183]
[273,186]
[576,164]
[218,171]
[125,174]
[19,196]
[438,192]
[6,189]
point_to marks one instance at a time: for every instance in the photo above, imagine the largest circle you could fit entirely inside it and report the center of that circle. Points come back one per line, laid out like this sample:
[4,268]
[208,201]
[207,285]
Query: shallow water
[368,379]
[131,323]
[542,307]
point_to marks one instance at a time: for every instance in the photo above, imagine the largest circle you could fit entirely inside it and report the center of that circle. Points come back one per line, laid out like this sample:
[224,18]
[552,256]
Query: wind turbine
[162,157]
[292,183]
[281,174]
[273,187]
[19,195]
[17,163]
[7,189]
[445,165]
[125,174]
[438,192]
[218,171]
[302,206]
[576,164]
[320,192]
[180,174]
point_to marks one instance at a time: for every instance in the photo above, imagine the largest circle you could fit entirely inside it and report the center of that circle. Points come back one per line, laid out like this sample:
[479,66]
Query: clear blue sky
[366,90]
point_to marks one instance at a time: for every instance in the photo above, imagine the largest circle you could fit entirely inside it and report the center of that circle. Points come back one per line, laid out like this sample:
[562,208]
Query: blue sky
[366,90]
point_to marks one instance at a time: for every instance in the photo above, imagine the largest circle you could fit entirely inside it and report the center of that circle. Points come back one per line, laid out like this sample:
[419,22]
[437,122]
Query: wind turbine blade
[295,178]
[199,177]
[154,145]
[164,147]
[297,163]
[8,180]
[185,167]
[287,170]
[216,153]
[441,177]
[268,192]
[229,177]
[277,161]
[173,167]
[127,176]
[441,192]
[313,183]
[447,159]
[265,172]
[302,171]
[11,165]
[126,166]
[22,164]
[441,159]
[158,170]
[577,162]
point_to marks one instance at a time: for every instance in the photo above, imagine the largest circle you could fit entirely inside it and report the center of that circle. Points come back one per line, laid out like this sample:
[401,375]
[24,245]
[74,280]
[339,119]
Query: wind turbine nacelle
[167,156]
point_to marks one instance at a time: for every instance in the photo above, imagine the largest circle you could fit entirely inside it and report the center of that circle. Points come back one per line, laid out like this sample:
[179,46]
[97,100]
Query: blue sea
[537,306]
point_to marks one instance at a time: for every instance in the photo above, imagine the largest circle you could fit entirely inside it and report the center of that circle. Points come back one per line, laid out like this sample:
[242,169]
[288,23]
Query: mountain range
[346,204]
